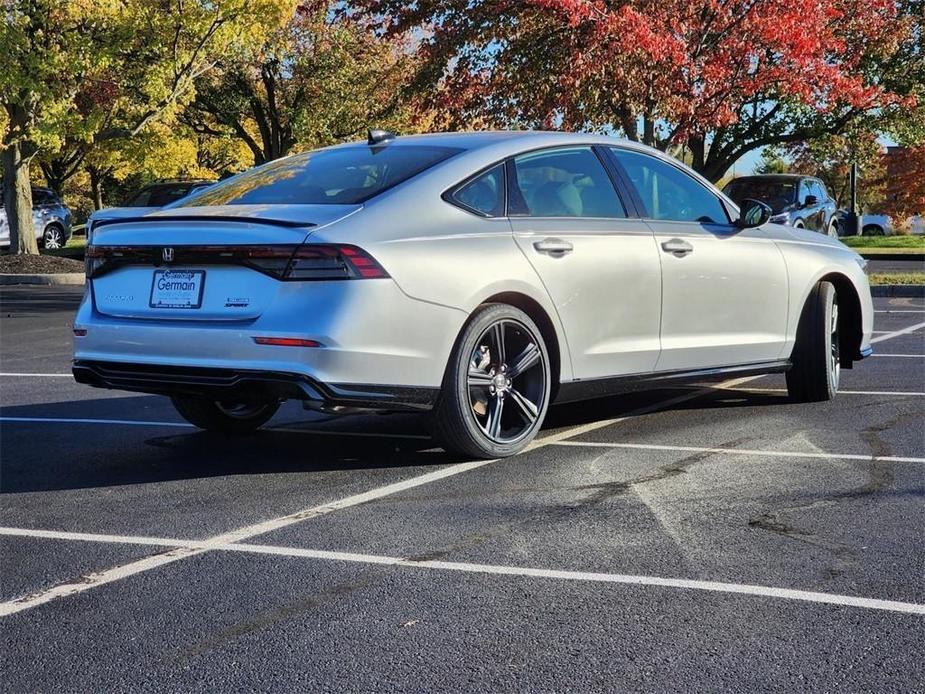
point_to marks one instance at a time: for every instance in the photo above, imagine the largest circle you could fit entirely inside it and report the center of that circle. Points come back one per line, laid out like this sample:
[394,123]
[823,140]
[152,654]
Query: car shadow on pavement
[58,455]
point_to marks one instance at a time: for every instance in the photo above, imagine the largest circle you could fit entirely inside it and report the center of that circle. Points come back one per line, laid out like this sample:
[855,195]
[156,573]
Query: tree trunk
[17,200]
[96,187]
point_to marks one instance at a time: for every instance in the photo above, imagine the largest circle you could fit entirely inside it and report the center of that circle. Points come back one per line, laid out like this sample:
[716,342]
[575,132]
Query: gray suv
[51,219]
[799,201]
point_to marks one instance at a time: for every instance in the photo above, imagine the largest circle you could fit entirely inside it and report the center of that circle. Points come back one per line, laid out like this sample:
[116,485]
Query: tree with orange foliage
[719,78]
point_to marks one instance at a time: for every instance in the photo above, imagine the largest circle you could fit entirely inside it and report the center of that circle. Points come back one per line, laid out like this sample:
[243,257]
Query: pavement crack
[268,618]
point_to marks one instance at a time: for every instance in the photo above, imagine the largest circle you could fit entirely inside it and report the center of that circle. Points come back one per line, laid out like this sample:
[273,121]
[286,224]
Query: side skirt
[587,389]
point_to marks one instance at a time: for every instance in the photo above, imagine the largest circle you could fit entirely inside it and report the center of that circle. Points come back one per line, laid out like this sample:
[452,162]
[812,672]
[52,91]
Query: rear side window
[344,175]
[668,193]
[567,182]
[484,194]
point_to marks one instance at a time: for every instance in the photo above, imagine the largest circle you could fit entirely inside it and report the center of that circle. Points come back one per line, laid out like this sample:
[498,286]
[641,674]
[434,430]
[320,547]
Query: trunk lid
[195,263]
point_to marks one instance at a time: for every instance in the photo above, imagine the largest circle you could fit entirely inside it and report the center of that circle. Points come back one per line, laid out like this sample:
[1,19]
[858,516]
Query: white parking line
[181,552]
[743,451]
[34,375]
[896,333]
[911,356]
[79,420]
[192,547]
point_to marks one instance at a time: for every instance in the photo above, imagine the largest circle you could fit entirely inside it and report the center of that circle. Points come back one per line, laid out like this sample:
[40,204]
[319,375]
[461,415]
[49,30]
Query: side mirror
[810,201]
[753,213]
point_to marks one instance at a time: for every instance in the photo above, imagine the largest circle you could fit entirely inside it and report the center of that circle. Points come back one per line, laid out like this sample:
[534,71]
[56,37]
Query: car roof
[783,177]
[478,139]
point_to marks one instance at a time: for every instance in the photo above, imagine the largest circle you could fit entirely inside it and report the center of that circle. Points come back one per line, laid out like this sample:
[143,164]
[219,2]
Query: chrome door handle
[677,247]
[553,246]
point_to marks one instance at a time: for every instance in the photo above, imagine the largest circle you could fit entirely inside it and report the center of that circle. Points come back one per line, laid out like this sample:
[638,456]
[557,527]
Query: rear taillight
[323,262]
[284,262]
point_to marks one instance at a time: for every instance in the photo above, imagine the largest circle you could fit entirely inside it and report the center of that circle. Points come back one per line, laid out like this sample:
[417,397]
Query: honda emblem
[167,255]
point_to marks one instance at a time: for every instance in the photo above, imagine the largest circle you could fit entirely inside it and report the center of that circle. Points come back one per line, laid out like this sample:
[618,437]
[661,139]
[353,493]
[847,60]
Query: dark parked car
[51,219]
[165,192]
[800,201]
[152,197]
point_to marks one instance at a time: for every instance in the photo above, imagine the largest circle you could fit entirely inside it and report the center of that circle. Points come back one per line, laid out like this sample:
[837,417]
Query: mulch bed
[37,264]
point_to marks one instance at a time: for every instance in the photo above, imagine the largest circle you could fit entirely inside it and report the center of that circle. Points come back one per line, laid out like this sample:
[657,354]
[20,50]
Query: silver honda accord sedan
[478,276]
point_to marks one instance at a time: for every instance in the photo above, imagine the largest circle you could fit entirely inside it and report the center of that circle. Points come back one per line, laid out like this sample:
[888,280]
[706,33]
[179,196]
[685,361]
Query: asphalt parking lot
[713,538]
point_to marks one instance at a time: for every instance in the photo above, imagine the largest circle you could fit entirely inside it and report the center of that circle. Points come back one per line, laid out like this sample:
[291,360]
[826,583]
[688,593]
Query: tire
[872,230]
[224,418]
[494,400]
[53,237]
[799,224]
[833,229]
[816,356]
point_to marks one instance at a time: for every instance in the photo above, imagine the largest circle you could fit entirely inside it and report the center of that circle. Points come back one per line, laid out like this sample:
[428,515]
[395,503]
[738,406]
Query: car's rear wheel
[816,357]
[872,230]
[224,417]
[496,389]
[833,229]
[53,237]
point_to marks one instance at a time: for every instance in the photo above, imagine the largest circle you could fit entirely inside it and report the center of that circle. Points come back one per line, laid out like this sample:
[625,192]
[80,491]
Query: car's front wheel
[496,389]
[224,417]
[53,238]
[816,356]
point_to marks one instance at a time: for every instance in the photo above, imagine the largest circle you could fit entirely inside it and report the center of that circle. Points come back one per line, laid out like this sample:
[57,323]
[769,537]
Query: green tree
[322,79]
[772,162]
[78,73]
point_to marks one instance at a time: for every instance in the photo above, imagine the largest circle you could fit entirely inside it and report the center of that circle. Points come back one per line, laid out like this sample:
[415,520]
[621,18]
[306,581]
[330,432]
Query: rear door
[724,289]
[599,265]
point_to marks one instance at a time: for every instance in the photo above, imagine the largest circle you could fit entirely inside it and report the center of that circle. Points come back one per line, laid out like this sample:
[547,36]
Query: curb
[907,291]
[910,257]
[52,279]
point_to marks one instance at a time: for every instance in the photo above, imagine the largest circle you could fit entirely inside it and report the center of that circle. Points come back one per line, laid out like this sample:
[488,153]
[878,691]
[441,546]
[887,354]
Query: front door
[724,289]
[600,268]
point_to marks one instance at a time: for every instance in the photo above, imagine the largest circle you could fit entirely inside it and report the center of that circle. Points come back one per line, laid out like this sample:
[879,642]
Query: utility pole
[853,221]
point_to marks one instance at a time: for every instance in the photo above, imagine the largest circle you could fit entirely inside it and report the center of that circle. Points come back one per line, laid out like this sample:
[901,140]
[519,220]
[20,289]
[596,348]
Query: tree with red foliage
[904,182]
[718,77]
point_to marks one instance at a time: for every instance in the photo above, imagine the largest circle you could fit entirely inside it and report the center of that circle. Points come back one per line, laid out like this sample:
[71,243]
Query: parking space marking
[192,547]
[78,420]
[185,549]
[915,356]
[24,375]
[182,552]
[897,333]
[744,451]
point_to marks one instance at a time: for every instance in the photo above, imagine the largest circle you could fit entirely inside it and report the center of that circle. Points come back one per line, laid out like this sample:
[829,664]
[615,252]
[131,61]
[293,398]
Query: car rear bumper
[242,385]
[362,332]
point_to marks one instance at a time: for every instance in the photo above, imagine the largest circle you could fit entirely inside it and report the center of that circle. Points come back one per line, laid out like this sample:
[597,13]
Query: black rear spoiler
[203,218]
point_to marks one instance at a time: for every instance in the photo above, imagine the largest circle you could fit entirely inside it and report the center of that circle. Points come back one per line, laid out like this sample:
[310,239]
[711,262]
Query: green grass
[74,249]
[897,278]
[892,244]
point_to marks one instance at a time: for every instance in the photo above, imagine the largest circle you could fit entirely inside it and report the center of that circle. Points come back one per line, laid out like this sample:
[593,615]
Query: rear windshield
[778,194]
[340,176]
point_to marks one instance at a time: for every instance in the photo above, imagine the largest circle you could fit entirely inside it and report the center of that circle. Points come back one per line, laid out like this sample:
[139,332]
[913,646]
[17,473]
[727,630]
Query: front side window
[668,193]
[568,182]
[484,193]
[343,175]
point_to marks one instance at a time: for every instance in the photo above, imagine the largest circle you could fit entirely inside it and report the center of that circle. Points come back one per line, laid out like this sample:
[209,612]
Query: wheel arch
[850,318]
[547,329]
